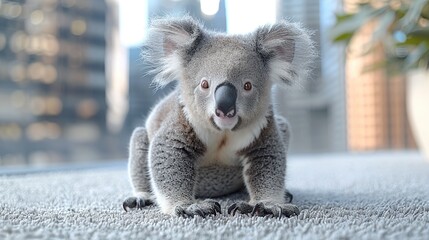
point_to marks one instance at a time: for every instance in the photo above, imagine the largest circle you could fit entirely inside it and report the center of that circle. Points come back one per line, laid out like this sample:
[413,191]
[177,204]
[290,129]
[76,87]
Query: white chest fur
[223,146]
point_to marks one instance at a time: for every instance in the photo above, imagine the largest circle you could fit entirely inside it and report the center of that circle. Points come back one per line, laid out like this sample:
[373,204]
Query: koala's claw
[241,207]
[260,209]
[202,209]
[275,210]
[134,202]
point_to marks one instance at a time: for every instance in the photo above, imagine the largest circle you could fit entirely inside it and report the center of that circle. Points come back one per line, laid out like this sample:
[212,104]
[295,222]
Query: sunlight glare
[245,16]
[133,22]
[209,7]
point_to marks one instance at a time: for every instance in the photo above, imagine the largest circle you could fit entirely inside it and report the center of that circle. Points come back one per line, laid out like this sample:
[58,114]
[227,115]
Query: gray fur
[186,150]
[218,180]
[138,167]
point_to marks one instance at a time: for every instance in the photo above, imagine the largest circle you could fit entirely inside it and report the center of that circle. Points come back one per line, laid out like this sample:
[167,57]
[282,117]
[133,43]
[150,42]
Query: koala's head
[224,80]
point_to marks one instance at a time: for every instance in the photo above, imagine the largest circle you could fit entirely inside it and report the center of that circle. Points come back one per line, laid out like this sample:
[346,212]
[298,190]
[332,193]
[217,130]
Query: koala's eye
[204,84]
[247,86]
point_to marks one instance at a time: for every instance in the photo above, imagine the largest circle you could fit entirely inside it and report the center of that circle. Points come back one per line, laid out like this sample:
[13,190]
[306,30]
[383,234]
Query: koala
[217,132]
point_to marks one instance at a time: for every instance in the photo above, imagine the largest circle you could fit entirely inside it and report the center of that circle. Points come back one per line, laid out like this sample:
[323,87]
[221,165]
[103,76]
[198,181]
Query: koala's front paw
[264,209]
[203,209]
[135,202]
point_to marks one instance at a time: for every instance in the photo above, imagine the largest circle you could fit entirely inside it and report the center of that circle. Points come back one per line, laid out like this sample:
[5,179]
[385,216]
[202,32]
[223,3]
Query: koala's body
[216,133]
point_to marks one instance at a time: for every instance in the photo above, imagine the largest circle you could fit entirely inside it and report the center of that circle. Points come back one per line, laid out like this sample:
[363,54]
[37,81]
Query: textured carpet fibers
[349,197]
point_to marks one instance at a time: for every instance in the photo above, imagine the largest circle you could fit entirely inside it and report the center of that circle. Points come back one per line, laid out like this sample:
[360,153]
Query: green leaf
[343,16]
[385,21]
[416,55]
[348,24]
[420,32]
[416,37]
[425,11]
[413,14]
[345,37]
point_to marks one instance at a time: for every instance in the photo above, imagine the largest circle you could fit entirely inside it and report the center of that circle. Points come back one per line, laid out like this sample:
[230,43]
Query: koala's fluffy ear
[169,44]
[287,50]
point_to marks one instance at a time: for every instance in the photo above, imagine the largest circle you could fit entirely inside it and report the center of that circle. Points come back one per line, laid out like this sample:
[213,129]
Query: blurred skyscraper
[53,81]
[316,111]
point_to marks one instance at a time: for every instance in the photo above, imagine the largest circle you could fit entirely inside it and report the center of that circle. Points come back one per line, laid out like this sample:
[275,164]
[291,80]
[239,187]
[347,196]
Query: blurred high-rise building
[52,81]
[316,109]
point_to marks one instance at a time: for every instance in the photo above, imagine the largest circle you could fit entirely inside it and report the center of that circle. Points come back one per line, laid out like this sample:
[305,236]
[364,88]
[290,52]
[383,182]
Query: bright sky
[133,21]
[242,16]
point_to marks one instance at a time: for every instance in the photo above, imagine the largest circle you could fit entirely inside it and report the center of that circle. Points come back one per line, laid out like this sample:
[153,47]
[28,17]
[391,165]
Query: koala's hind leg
[138,171]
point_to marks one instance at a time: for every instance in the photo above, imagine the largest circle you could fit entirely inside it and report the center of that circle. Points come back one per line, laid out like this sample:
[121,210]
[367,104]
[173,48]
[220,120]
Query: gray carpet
[381,196]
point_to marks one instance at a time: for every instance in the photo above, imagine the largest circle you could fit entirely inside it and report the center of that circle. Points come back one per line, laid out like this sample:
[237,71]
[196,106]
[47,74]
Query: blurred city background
[73,85]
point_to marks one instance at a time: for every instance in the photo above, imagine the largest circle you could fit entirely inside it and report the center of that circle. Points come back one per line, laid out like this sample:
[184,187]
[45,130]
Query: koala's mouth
[225,123]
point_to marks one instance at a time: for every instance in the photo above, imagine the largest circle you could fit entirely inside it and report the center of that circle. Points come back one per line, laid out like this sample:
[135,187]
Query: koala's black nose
[225,97]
